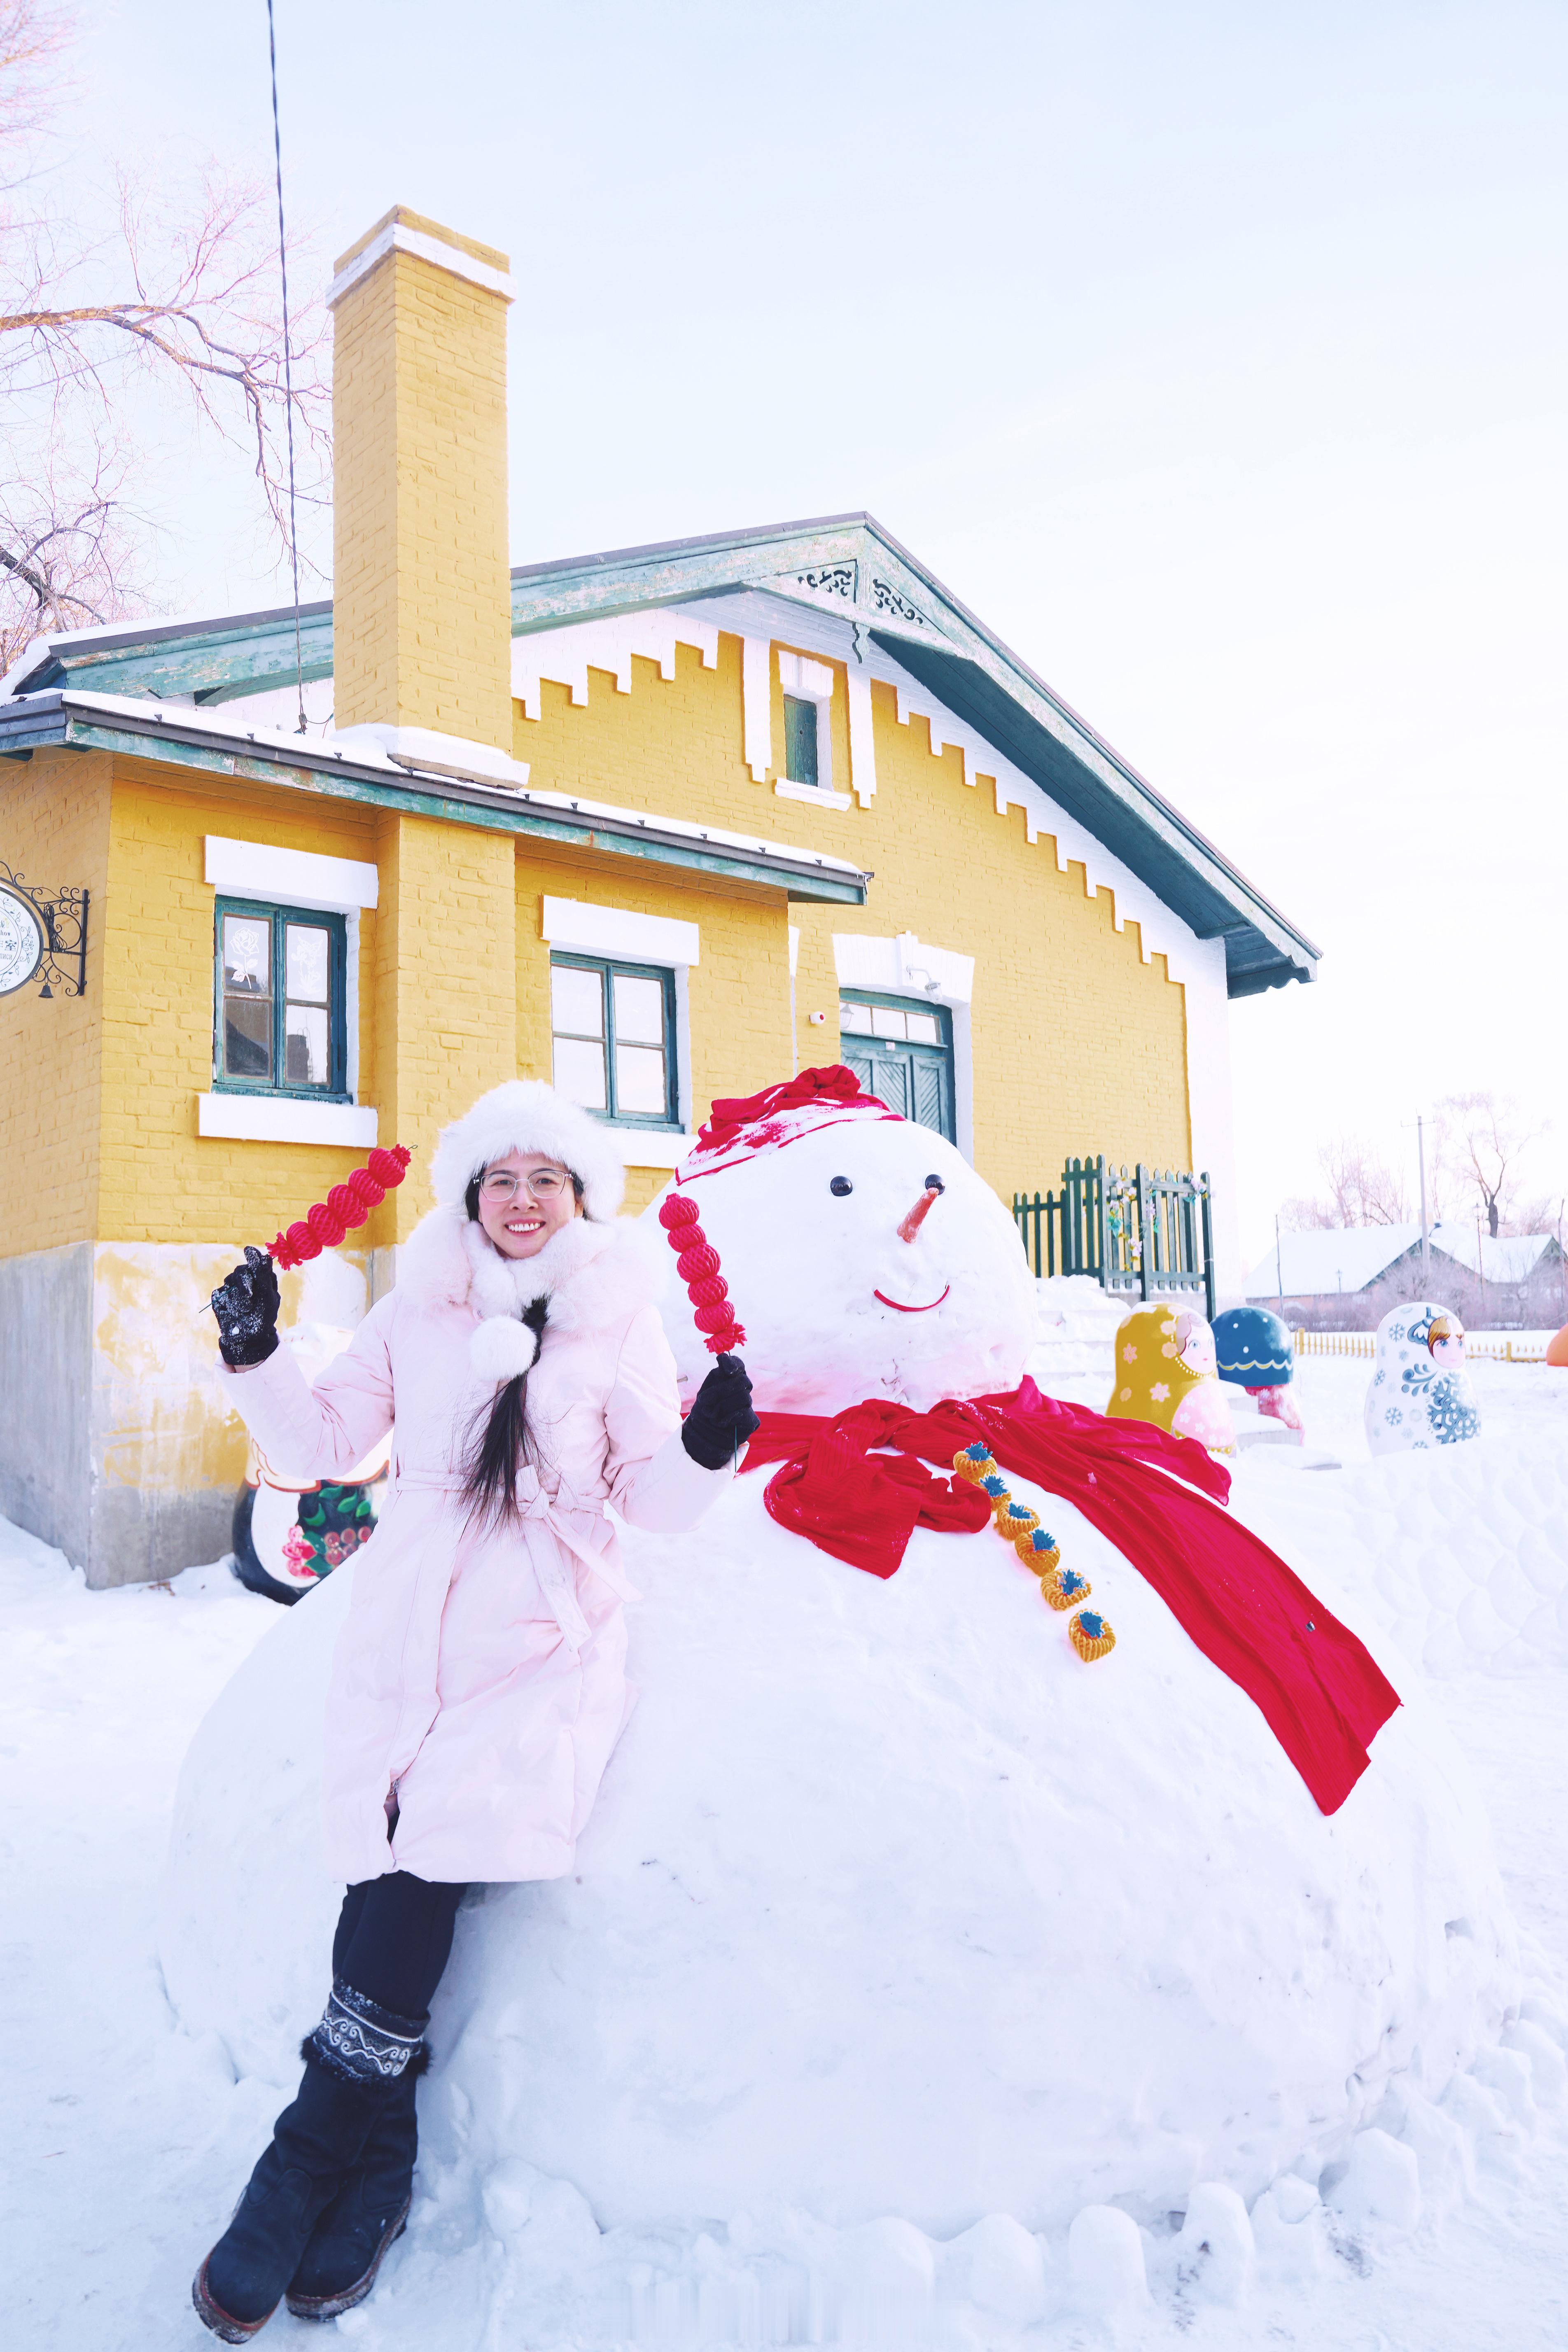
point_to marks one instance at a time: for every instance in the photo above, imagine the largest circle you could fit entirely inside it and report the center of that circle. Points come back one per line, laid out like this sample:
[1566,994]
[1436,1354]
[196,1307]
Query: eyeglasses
[540,1184]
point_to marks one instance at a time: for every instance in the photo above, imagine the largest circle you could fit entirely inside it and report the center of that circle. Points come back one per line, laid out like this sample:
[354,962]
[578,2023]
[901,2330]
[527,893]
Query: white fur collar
[592,1275]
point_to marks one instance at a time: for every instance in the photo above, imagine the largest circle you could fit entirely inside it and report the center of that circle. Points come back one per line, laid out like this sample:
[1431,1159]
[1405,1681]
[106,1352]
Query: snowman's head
[864,1256]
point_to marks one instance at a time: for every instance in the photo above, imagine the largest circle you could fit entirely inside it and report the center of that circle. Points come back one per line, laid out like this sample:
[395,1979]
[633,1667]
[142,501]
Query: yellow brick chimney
[422,614]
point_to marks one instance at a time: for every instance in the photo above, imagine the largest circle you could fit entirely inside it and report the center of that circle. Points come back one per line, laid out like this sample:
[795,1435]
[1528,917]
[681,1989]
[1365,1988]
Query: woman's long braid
[505,1444]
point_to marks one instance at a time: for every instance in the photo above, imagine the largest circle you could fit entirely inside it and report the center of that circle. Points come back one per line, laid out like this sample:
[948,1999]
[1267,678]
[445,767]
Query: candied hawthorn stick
[697,1267]
[346,1205]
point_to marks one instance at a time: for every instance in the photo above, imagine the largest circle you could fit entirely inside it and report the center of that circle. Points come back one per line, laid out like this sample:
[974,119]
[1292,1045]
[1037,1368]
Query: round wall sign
[23,940]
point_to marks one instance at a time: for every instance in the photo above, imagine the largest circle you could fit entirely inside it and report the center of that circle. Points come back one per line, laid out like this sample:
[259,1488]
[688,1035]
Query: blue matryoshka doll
[1254,1351]
[1420,1393]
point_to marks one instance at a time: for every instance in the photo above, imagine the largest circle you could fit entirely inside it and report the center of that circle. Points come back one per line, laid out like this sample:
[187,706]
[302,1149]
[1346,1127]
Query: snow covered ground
[126,2137]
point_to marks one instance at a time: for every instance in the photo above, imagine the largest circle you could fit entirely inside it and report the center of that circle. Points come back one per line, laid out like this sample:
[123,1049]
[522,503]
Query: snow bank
[1460,1556]
[892,1907]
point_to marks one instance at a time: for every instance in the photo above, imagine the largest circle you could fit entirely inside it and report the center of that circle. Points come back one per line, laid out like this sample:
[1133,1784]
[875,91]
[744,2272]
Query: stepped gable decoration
[348,1205]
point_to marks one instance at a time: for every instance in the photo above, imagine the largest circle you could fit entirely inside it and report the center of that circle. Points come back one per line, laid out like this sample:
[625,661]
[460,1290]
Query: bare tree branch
[182,289]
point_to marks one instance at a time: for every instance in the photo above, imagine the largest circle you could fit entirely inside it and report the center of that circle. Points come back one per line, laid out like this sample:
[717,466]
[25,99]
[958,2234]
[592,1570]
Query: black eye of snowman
[935,1184]
[840,1186]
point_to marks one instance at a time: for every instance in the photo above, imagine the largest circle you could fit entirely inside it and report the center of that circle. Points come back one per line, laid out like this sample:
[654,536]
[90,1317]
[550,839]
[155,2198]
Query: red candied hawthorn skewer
[697,1267]
[346,1205]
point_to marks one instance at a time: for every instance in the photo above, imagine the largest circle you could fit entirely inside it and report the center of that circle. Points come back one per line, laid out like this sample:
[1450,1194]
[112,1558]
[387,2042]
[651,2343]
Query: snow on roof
[1337,1258]
[1315,1264]
[1505,1257]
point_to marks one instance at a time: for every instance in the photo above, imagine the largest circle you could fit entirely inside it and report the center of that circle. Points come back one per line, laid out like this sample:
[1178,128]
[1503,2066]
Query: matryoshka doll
[1255,1351]
[1420,1393]
[1166,1372]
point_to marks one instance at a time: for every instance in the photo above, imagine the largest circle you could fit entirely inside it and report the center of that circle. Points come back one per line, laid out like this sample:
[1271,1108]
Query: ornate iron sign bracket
[58,921]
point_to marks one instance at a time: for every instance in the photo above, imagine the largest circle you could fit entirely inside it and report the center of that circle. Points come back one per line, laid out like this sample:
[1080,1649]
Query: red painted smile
[899,1308]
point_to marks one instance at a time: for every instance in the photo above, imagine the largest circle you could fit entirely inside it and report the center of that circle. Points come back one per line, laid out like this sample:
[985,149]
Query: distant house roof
[847,564]
[1502,1258]
[1346,1258]
[1308,1266]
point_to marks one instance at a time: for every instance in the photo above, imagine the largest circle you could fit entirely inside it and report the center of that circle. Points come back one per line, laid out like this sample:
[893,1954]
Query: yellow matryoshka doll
[1166,1373]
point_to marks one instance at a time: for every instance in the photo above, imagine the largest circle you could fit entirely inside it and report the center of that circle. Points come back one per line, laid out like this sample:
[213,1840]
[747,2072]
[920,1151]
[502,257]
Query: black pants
[393,1937]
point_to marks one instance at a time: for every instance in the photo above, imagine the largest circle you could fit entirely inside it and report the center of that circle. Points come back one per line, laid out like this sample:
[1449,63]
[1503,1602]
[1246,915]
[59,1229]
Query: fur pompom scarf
[588,1276]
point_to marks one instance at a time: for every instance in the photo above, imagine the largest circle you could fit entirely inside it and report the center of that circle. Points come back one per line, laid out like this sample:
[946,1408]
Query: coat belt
[542,1520]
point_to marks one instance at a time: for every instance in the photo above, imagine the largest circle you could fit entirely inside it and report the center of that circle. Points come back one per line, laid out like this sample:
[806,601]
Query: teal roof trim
[57,720]
[847,563]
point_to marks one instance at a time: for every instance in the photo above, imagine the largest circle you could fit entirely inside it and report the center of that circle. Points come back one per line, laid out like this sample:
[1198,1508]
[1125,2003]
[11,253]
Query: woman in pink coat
[479,1686]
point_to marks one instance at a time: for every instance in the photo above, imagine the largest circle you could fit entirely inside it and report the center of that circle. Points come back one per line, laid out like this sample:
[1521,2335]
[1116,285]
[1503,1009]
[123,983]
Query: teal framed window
[280,996]
[901,1049]
[801,764]
[613,1039]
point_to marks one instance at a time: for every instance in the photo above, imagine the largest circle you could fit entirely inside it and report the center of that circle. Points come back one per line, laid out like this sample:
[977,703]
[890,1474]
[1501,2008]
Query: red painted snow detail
[898,1304]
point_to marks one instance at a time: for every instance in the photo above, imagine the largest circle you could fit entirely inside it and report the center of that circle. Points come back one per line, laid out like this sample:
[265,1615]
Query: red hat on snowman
[745,1127]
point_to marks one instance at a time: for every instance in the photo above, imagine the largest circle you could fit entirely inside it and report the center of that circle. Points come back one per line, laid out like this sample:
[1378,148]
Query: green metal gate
[1147,1232]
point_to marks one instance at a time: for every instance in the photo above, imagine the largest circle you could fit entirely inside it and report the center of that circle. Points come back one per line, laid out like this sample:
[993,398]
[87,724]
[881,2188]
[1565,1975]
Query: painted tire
[328,1522]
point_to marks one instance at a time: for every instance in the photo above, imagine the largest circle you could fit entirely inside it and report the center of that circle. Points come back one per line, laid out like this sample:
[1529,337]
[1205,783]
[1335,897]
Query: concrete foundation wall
[138,1533]
[117,1442]
[46,1395]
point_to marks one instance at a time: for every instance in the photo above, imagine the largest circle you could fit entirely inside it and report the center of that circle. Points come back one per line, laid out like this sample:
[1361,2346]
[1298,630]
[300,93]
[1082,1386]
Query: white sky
[1214,354]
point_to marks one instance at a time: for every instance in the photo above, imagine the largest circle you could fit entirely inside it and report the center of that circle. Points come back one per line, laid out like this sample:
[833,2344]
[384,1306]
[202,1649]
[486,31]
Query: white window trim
[814,794]
[578,928]
[322,885]
[283,1119]
[805,680]
[902,966]
[291,877]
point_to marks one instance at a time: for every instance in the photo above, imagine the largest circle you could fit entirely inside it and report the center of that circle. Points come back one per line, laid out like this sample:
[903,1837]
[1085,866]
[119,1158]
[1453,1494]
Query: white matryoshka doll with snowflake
[1420,1393]
[1166,1372]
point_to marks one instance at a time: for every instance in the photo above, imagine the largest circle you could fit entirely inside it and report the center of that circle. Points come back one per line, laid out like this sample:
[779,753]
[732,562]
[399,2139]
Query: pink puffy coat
[480,1676]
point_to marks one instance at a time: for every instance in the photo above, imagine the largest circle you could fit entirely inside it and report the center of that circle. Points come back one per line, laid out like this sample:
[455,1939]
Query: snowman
[898,1901]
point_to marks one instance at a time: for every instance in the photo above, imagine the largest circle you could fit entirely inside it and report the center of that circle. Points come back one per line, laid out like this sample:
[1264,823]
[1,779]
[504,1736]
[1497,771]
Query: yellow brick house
[668,821]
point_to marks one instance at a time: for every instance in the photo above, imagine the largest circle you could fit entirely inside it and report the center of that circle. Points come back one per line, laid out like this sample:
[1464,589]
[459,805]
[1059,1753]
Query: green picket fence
[1147,1232]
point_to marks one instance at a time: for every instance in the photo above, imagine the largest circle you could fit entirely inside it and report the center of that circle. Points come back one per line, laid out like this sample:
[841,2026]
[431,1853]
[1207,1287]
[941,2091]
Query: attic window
[800,741]
[807,724]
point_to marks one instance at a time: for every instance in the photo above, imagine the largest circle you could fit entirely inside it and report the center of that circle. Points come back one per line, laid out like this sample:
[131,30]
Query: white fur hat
[525,1115]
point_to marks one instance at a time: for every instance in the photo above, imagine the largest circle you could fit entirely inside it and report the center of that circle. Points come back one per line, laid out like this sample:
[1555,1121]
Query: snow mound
[891,1906]
[1459,1554]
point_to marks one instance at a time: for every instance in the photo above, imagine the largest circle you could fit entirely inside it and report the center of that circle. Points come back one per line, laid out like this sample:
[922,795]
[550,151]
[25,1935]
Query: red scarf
[1319,1692]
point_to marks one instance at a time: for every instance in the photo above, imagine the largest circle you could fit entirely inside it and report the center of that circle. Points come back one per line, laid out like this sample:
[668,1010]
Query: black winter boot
[365,2218]
[355,2061]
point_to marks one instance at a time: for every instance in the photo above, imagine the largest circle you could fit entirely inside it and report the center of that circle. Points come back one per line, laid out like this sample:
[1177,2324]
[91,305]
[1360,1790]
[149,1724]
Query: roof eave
[65,720]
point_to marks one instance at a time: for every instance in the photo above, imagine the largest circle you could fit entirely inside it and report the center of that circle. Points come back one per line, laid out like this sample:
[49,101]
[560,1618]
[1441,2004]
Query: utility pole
[1426,1245]
[1481,1270]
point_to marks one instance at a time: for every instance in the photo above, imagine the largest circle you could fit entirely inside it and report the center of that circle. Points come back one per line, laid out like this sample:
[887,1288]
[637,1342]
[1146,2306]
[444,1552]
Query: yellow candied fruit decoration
[1090,1634]
[1062,1588]
[973,1466]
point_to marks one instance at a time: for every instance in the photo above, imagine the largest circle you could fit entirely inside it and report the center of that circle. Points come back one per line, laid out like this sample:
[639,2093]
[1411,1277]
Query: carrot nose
[911,1225]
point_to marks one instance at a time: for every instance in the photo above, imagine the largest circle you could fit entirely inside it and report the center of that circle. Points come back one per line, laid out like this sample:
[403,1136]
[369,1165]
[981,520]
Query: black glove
[245,1304]
[720,1419]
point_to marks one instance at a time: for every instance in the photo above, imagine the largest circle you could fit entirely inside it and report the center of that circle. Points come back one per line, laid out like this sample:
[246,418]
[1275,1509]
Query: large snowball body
[835,1306]
[889,1904]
